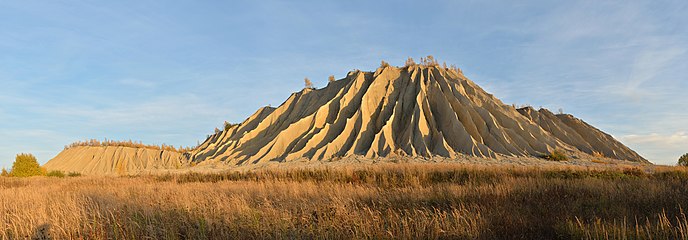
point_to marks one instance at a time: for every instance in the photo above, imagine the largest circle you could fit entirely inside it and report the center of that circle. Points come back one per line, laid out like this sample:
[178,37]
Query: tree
[229,125]
[4,173]
[409,62]
[683,160]
[330,78]
[308,83]
[26,165]
[384,64]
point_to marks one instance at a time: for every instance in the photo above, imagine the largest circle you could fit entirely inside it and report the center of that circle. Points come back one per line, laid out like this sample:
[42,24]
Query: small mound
[115,160]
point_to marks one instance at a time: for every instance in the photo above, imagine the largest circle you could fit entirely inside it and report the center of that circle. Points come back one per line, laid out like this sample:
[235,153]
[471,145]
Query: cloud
[647,66]
[679,138]
[659,148]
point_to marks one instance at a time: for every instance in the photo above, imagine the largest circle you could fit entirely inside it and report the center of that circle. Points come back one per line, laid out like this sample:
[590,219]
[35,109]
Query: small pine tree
[683,160]
[430,61]
[307,82]
[384,64]
[4,173]
[409,62]
[26,165]
[228,125]
[330,78]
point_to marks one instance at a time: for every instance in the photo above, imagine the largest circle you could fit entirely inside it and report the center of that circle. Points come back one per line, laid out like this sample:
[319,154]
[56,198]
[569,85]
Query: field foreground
[407,201]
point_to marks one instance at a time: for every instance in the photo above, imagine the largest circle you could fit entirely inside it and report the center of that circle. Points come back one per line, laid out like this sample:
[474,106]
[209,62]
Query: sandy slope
[115,160]
[417,112]
[579,134]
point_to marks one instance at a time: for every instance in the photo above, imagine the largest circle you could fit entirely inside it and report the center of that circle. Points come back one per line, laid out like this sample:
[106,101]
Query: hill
[416,111]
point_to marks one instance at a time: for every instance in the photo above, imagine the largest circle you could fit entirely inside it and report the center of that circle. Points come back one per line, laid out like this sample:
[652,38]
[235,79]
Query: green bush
[26,165]
[56,173]
[683,160]
[556,155]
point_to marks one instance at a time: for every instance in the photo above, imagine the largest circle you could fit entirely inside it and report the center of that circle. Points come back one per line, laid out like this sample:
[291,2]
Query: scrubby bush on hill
[229,125]
[4,173]
[56,173]
[556,155]
[130,143]
[307,82]
[410,62]
[26,165]
[384,64]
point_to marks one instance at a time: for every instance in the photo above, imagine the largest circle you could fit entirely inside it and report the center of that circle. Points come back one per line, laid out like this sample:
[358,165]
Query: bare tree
[409,62]
[308,83]
[384,64]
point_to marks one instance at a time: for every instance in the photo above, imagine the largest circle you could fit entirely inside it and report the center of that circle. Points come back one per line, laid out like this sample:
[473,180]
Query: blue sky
[171,71]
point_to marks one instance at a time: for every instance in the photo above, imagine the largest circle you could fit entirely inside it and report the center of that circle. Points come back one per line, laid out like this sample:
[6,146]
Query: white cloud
[659,148]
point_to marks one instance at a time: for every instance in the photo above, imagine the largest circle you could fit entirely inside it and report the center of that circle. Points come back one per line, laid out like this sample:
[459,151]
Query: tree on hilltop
[384,64]
[308,83]
[409,62]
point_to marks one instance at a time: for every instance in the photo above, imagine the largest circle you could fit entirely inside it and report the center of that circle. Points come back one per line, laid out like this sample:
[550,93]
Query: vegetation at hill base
[26,165]
[386,201]
[557,155]
[683,160]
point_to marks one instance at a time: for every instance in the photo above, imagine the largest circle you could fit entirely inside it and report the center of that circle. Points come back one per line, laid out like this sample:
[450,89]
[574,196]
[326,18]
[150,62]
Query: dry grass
[130,143]
[390,201]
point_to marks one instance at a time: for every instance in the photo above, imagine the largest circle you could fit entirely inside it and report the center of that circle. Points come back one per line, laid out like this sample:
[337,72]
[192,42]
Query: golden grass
[403,201]
[130,143]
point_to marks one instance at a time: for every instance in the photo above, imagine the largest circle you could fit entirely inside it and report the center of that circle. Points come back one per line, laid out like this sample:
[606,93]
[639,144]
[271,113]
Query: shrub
[330,78]
[307,82]
[409,62]
[74,174]
[384,64]
[56,173]
[556,155]
[683,160]
[130,143]
[26,165]
[229,125]
[4,173]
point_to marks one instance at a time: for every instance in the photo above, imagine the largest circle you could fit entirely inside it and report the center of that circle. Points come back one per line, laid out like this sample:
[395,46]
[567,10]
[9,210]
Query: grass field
[397,201]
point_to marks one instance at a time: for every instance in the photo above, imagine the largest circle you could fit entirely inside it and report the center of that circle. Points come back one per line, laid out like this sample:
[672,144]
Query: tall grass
[387,202]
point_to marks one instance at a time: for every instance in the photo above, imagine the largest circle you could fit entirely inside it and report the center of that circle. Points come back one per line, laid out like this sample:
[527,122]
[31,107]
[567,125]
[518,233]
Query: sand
[415,112]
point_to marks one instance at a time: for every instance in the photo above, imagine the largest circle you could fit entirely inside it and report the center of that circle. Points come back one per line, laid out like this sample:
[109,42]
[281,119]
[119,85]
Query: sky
[171,71]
